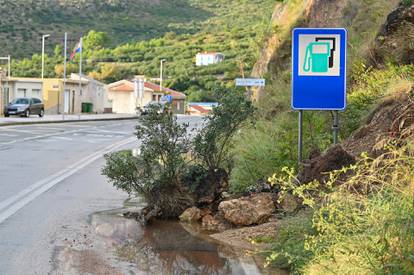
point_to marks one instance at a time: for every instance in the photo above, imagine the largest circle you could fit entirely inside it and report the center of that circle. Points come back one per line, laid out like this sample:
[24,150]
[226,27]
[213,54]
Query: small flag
[77,49]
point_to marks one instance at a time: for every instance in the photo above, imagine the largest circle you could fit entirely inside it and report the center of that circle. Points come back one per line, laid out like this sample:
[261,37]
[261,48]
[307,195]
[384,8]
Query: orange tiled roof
[200,109]
[128,86]
[124,87]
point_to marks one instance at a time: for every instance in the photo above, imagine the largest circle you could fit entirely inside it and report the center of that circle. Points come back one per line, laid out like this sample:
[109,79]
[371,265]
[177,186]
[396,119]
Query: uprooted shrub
[165,173]
[156,172]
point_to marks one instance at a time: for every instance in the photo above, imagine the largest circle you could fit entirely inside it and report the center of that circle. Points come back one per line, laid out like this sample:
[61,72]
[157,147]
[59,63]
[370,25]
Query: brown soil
[393,119]
[241,238]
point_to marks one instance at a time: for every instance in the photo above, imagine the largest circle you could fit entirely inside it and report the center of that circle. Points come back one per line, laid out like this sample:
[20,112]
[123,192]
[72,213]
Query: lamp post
[161,73]
[43,53]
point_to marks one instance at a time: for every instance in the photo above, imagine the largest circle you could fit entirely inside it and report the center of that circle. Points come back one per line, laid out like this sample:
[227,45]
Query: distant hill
[22,22]
[177,31]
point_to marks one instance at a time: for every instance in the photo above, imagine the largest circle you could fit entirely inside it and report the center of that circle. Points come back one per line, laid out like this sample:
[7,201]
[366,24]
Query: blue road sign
[319,69]
[166,98]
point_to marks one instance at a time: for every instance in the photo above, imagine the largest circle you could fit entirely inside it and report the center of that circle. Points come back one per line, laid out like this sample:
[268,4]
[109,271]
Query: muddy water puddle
[121,246]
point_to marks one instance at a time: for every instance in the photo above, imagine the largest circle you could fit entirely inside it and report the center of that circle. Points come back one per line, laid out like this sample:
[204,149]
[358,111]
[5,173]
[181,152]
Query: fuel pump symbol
[319,57]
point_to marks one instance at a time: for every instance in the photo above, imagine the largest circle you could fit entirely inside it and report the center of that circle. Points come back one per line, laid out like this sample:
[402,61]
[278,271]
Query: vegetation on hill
[24,21]
[235,29]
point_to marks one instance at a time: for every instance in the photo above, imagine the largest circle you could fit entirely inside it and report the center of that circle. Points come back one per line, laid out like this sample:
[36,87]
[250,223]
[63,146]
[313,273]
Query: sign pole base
[336,127]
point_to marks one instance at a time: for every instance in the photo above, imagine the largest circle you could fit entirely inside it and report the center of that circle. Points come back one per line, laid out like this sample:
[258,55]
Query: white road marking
[37,128]
[17,130]
[8,135]
[113,132]
[62,138]
[10,206]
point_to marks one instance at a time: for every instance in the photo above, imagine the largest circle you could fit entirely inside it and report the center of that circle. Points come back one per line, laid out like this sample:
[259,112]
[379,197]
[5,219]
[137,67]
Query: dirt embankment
[396,38]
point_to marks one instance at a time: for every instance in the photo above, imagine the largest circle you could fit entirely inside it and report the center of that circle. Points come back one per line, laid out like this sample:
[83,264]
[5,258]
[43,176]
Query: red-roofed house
[126,100]
[198,110]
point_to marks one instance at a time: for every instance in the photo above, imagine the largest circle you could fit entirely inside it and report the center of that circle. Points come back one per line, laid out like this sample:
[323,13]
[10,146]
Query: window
[36,101]
[24,101]
[36,93]
[21,93]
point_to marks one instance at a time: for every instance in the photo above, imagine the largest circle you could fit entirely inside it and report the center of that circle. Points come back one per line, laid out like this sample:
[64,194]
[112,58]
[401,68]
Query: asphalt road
[50,182]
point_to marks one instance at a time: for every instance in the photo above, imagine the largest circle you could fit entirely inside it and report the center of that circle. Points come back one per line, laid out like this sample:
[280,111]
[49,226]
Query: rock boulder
[255,209]
[192,214]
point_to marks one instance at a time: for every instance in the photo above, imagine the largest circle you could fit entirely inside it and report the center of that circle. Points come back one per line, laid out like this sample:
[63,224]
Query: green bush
[363,226]
[260,149]
[213,143]
[287,250]
[156,173]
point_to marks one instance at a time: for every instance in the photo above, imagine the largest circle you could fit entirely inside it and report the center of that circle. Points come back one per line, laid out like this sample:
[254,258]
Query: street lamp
[43,53]
[161,73]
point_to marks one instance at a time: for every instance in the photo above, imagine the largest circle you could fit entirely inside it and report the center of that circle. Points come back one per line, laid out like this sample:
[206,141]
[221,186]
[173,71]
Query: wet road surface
[50,183]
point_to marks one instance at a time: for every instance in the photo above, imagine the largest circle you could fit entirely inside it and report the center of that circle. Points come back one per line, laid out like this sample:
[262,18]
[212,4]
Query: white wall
[122,102]
[26,89]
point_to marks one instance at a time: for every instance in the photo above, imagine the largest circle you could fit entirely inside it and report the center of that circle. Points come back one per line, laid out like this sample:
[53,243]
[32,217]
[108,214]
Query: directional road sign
[250,82]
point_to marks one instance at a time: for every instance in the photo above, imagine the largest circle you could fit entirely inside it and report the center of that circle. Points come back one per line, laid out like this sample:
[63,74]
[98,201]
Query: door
[66,102]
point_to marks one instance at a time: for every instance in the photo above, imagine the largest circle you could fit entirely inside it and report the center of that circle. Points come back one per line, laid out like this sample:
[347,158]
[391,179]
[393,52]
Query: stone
[210,223]
[205,212]
[192,214]
[289,203]
[255,209]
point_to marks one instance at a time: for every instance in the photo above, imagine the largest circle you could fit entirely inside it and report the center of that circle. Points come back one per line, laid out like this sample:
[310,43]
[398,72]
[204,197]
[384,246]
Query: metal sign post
[300,137]
[335,127]
[319,74]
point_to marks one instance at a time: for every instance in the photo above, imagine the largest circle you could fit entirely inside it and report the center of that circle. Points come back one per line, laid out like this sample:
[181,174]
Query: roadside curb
[65,121]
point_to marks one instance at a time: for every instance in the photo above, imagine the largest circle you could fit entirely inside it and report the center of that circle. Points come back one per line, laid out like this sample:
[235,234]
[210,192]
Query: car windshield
[20,101]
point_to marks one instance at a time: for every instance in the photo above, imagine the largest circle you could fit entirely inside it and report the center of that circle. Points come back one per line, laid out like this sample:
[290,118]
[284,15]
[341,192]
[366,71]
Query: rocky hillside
[22,22]
[363,19]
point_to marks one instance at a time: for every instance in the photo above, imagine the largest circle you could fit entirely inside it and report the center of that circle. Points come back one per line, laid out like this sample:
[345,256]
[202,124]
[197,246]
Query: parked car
[25,106]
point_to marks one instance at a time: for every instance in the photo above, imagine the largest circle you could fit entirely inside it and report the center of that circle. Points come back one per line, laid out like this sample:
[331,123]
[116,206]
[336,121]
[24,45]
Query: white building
[126,98]
[15,87]
[208,58]
[96,93]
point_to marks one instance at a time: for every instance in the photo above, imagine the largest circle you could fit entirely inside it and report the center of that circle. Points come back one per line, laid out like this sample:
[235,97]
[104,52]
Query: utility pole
[64,73]
[161,74]
[43,53]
